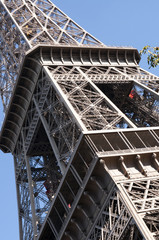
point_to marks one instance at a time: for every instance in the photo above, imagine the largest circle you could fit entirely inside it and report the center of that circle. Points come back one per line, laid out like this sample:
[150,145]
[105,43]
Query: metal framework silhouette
[82,124]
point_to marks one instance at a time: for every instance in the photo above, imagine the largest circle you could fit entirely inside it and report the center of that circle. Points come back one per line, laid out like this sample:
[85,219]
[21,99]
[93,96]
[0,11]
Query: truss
[63,102]
[114,194]
[86,167]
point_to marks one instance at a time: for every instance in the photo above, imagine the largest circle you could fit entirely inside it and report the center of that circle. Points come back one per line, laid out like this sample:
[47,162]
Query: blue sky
[116,23]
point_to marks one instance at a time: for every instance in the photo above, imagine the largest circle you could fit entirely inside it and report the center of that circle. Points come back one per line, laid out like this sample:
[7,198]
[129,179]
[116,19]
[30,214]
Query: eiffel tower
[82,125]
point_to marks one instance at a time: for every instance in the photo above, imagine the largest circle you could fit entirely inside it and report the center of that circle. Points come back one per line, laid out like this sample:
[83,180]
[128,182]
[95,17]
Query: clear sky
[114,22]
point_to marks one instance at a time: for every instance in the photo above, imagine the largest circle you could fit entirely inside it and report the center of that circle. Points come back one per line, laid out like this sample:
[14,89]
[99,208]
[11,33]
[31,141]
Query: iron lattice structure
[25,24]
[82,125]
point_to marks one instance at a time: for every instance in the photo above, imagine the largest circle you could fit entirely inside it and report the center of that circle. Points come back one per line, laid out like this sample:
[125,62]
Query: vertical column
[30,184]
[18,202]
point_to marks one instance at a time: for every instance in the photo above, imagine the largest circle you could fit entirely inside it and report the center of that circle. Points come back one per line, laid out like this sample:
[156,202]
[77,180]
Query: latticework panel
[42,22]
[13,46]
[113,221]
[94,109]
[61,127]
[134,98]
[144,196]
